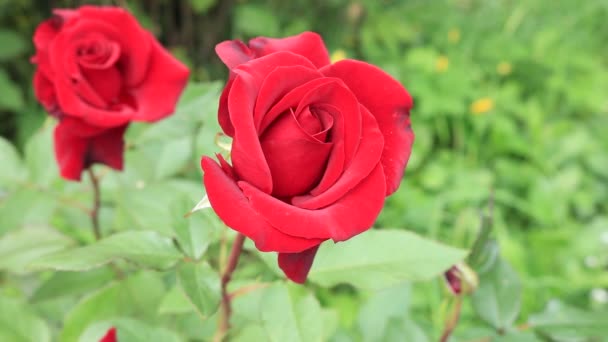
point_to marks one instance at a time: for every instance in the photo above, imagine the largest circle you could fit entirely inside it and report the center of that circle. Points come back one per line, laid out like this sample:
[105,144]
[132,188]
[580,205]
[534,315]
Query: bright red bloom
[98,70]
[316,146]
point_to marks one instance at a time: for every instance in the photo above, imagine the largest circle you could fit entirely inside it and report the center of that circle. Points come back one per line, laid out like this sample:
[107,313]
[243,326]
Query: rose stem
[96,204]
[452,320]
[225,309]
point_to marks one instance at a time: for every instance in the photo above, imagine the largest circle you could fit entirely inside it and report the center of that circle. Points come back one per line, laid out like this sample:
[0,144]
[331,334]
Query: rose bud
[97,71]
[316,146]
[461,279]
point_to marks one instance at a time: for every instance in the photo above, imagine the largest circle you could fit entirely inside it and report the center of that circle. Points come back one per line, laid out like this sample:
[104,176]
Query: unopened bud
[461,279]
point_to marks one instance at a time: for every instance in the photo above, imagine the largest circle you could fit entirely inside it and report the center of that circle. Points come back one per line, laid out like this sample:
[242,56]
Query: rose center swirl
[296,147]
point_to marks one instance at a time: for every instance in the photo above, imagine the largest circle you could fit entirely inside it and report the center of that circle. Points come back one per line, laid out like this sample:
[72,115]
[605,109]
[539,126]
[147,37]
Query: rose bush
[316,146]
[98,70]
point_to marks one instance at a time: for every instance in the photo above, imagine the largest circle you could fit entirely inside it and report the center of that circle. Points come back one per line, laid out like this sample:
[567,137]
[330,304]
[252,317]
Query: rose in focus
[316,146]
[98,70]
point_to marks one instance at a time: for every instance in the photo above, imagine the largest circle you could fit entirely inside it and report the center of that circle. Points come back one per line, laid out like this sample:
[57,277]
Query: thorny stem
[450,325]
[225,308]
[96,204]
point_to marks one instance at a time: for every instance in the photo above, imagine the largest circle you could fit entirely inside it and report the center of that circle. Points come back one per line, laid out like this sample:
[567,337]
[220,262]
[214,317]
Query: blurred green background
[511,107]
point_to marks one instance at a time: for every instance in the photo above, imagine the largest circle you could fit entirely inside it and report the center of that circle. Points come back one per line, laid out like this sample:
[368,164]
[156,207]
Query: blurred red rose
[110,336]
[316,146]
[98,70]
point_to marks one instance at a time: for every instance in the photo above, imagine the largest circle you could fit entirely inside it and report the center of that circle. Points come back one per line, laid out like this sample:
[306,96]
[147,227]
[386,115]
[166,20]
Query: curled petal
[351,215]
[390,103]
[362,164]
[237,213]
[297,265]
[307,44]
[135,42]
[157,95]
[233,53]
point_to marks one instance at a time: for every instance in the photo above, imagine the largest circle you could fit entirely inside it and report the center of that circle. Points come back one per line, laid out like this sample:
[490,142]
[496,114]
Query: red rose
[98,70]
[110,336]
[316,146]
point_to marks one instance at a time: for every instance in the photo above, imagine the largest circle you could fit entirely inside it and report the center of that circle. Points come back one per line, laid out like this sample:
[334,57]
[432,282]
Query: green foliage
[145,248]
[380,259]
[19,324]
[498,298]
[201,284]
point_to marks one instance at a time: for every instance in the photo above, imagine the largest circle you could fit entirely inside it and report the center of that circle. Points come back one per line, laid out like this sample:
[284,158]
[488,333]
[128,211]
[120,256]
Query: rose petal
[296,160]
[107,84]
[157,95]
[108,148]
[233,53]
[248,159]
[78,145]
[45,33]
[336,160]
[307,44]
[45,92]
[365,160]
[277,84]
[235,210]
[135,42]
[223,115]
[70,152]
[338,96]
[297,265]
[390,103]
[110,336]
[291,100]
[351,215]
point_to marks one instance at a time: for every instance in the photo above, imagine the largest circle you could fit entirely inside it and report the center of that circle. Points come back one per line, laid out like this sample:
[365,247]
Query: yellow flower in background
[504,68]
[442,64]
[337,55]
[454,35]
[482,105]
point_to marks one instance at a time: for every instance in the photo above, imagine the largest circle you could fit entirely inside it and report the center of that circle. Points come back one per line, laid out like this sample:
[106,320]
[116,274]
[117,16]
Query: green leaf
[63,284]
[26,207]
[99,306]
[130,330]
[254,20]
[12,170]
[382,258]
[199,102]
[173,156]
[400,329]
[517,336]
[145,248]
[11,98]
[137,295]
[40,157]
[497,300]
[201,284]
[564,323]
[175,302]
[18,324]
[286,318]
[19,248]
[375,315]
[201,6]
[250,332]
[194,233]
[12,44]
